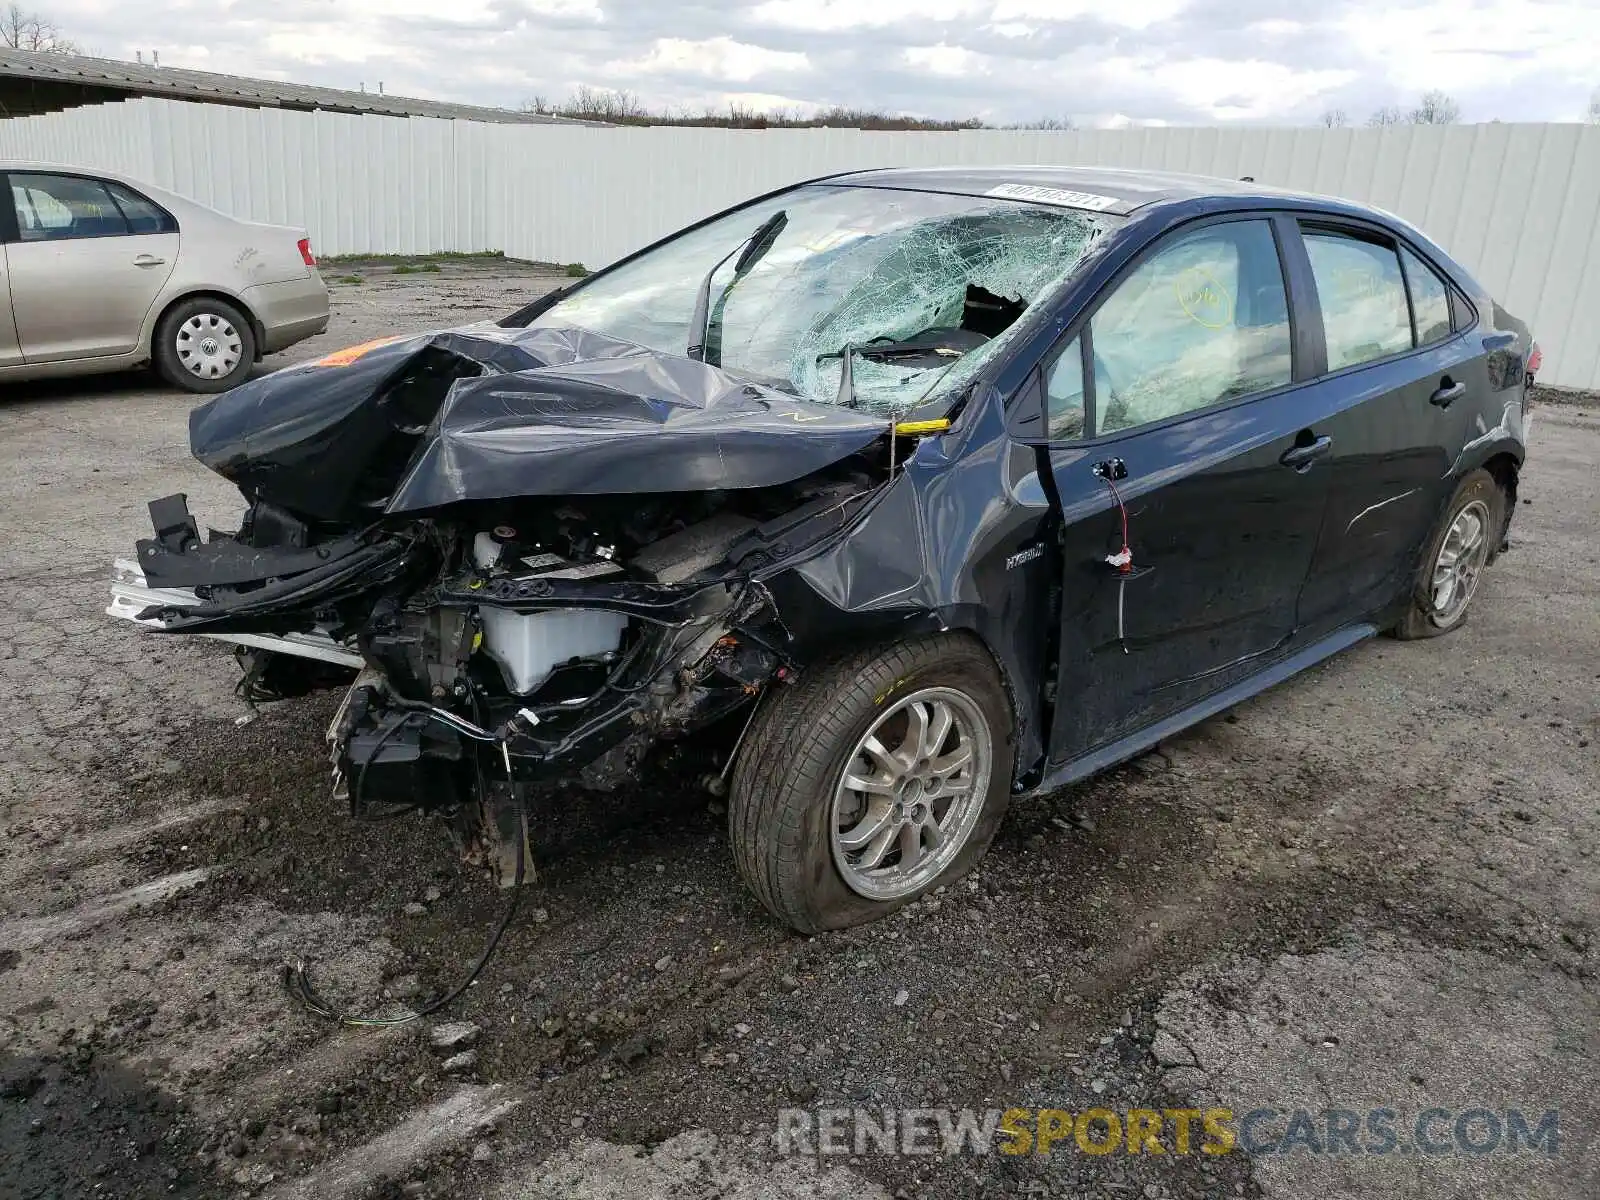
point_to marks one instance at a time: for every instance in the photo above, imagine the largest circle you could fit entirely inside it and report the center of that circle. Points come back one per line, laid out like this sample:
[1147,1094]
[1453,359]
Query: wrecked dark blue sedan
[892,496]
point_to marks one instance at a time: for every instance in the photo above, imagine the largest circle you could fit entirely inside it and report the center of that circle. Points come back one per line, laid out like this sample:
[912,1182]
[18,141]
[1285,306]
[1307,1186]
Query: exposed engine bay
[495,640]
[515,641]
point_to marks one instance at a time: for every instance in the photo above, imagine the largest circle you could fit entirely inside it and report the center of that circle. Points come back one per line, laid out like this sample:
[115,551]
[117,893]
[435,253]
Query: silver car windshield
[884,271]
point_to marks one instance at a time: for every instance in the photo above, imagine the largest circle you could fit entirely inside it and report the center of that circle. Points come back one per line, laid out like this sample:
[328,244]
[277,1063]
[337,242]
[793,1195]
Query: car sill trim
[1141,740]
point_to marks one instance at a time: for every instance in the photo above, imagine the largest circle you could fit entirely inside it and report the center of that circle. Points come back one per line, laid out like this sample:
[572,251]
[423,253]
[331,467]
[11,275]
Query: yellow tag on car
[912,428]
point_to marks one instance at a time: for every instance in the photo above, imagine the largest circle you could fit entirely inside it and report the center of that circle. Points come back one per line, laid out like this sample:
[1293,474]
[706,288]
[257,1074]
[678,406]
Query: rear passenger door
[1396,390]
[86,259]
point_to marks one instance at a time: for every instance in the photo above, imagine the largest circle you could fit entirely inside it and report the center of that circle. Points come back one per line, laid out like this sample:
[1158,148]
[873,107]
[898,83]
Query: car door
[10,351]
[1395,397]
[87,259]
[1177,441]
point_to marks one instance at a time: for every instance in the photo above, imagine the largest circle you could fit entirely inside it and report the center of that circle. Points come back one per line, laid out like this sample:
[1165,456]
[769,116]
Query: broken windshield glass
[933,281]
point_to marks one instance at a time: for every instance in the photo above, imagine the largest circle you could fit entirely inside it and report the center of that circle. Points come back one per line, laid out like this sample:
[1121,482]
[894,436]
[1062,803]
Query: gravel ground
[1373,886]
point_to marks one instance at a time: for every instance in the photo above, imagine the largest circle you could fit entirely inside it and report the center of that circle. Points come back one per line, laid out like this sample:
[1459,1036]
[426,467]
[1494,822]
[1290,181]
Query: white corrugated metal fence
[1519,205]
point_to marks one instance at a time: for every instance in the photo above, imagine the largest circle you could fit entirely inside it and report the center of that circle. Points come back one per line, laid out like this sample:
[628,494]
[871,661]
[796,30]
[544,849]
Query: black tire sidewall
[820,898]
[164,353]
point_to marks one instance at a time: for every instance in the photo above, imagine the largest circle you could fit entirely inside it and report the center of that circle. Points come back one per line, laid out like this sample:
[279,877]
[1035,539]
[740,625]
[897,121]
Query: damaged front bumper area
[527,554]
[553,644]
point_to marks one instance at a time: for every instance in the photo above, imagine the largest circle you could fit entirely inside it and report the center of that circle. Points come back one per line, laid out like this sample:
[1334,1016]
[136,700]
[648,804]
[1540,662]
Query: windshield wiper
[846,397]
[937,343]
[754,249]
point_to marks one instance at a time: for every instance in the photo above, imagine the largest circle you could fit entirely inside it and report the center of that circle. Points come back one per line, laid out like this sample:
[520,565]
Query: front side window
[1063,395]
[59,207]
[1203,320]
[924,286]
[1430,300]
[1363,298]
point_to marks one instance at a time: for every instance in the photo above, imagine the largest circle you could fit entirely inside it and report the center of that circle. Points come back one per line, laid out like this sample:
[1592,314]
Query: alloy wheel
[1459,564]
[911,793]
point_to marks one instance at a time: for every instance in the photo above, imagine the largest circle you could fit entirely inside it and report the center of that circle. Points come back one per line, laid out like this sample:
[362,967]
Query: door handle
[1448,393]
[148,260]
[1301,458]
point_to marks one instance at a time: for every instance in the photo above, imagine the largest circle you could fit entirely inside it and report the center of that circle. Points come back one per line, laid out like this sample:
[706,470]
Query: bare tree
[1594,108]
[1047,124]
[536,103]
[1334,118]
[1436,109]
[603,104]
[1387,115]
[22,30]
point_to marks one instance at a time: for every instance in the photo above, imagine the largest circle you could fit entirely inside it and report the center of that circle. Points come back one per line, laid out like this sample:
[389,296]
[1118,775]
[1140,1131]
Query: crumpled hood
[484,412]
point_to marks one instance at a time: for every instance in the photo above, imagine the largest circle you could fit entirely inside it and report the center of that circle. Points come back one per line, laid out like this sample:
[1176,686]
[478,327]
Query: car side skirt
[61,368]
[1136,743]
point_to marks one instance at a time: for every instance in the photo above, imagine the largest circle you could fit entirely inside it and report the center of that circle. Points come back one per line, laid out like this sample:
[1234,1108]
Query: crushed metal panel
[485,412]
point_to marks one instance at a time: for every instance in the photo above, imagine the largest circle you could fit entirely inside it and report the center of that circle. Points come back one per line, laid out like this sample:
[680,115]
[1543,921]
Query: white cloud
[833,15]
[321,44]
[718,58]
[1459,49]
[944,60]
[1135,14]
[1233,91]
[1133,61]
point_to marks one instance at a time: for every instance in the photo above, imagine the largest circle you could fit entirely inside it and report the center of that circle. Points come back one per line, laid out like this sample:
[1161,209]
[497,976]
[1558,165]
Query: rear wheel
[1447,578]
[875,778]
[204,345]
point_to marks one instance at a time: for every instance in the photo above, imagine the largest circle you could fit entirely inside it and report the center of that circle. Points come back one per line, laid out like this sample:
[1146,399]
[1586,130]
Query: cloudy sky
[1098,62]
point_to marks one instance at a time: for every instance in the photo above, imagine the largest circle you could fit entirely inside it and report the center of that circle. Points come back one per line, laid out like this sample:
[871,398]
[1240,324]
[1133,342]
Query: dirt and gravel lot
[1374,886]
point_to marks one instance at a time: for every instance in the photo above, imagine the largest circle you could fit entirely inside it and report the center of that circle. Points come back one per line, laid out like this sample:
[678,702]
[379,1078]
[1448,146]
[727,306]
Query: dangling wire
[1122,560]
[297,977]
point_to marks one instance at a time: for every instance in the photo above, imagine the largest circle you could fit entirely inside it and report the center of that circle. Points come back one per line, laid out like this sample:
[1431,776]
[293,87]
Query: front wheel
[1453,562]
[872,780]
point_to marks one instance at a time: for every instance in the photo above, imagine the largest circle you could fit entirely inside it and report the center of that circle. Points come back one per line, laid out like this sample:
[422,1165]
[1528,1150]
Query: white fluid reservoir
[528,646]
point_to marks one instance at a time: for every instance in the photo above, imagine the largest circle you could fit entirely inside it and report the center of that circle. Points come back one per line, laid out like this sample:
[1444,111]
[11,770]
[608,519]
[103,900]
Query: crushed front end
[496,626]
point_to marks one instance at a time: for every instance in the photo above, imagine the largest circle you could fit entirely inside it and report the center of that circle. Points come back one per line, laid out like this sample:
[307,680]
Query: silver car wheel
[208,345]
[901,815]
[1459,564]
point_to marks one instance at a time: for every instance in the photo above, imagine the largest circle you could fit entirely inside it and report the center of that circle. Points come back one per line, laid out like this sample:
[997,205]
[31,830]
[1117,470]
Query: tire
[789,796]
[203,345]
[1478,499]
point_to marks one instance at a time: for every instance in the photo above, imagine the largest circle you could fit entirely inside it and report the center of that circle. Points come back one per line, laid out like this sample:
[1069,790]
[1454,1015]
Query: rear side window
[1202,320]
[1430,300]
[61,207]
[143,216]
[1363,296]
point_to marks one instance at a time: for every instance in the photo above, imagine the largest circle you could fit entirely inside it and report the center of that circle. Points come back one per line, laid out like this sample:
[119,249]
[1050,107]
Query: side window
[143,216]
[58,207]
[1205,319]
[1363,297]
[1430,300]
[1063,395]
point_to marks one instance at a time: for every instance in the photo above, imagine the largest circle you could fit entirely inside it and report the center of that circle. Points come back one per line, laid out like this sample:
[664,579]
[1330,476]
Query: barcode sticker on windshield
[1050,195]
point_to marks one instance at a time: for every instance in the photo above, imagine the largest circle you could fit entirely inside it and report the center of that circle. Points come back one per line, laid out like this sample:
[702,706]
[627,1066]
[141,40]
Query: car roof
[1100,189]
[174,200]
[61,168]
[34,164]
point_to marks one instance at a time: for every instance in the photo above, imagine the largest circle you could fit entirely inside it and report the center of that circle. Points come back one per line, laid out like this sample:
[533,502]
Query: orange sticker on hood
[343,358]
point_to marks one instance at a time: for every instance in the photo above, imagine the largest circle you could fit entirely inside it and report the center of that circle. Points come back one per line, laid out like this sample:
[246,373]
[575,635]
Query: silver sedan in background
[105,273]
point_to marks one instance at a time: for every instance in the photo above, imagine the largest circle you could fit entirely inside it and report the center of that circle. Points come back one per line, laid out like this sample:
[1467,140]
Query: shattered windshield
[921,286]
